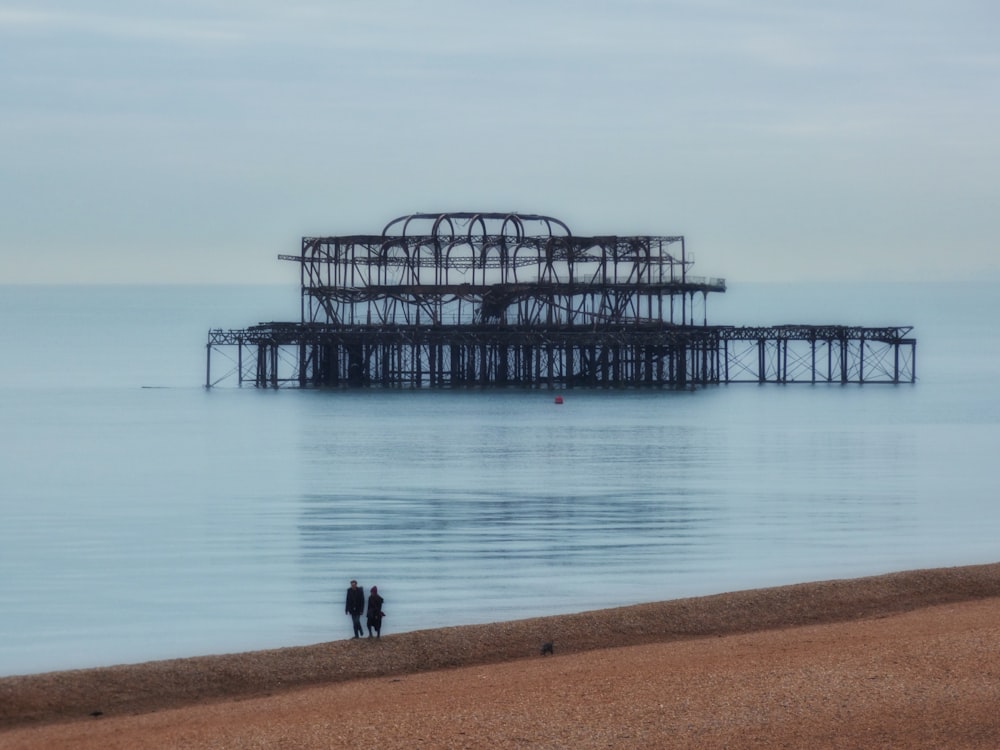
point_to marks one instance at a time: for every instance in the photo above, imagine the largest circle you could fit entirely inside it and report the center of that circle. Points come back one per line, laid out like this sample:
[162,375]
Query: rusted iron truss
[560,357]
[484,299]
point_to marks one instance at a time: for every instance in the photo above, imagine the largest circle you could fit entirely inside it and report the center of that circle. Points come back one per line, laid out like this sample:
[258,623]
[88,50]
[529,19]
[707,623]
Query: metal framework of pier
[486,300]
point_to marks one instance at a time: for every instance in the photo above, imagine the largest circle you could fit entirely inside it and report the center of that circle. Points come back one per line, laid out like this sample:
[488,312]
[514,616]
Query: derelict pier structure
[491,300]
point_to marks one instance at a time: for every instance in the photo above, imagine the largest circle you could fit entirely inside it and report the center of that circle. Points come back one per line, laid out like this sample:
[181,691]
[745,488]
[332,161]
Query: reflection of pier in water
[517,300]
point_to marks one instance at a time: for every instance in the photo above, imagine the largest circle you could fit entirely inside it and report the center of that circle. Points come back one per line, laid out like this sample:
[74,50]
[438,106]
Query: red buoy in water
[558,399]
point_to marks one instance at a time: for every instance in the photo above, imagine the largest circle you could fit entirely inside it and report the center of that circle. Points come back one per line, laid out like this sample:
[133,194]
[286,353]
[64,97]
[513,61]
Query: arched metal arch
[519,220]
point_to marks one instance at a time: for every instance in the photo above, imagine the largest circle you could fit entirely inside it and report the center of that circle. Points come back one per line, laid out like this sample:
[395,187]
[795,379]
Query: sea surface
[143,516]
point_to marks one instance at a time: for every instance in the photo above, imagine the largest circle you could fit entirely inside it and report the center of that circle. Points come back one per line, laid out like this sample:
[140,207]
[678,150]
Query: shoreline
[133,689]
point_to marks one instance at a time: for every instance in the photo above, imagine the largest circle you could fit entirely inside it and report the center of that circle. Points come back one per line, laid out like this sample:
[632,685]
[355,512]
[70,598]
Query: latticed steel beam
[662,356]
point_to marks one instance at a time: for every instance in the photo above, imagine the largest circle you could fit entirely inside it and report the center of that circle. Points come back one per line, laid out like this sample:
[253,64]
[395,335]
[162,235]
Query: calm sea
[144,517]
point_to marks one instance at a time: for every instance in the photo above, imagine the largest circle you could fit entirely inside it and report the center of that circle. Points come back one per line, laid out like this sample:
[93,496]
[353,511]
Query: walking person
[355,606]
[375,613]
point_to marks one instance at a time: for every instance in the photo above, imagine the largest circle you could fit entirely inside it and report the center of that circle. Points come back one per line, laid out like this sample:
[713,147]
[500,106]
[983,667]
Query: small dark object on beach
[547,649]
[95,714]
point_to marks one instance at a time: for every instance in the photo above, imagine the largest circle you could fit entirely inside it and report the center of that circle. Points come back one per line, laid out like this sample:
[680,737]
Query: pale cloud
[118,26]
[20,18]
[773,134]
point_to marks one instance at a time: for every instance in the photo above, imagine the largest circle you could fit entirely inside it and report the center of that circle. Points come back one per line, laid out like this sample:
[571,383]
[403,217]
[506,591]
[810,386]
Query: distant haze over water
[145,517]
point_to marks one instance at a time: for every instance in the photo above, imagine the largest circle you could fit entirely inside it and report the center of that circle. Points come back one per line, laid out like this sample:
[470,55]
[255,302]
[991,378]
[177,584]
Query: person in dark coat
[355,606]
[375,613]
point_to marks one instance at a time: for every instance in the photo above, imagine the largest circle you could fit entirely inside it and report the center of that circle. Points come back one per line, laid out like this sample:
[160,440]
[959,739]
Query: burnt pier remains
[458,300]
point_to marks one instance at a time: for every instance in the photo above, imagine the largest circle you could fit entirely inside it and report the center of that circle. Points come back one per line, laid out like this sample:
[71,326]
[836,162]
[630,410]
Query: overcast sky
[194,140]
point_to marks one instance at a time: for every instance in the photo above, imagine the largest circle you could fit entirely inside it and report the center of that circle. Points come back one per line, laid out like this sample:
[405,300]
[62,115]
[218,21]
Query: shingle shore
[154,686]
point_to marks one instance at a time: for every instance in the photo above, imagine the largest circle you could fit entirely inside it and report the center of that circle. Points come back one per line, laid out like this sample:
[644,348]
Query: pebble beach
[903,660]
